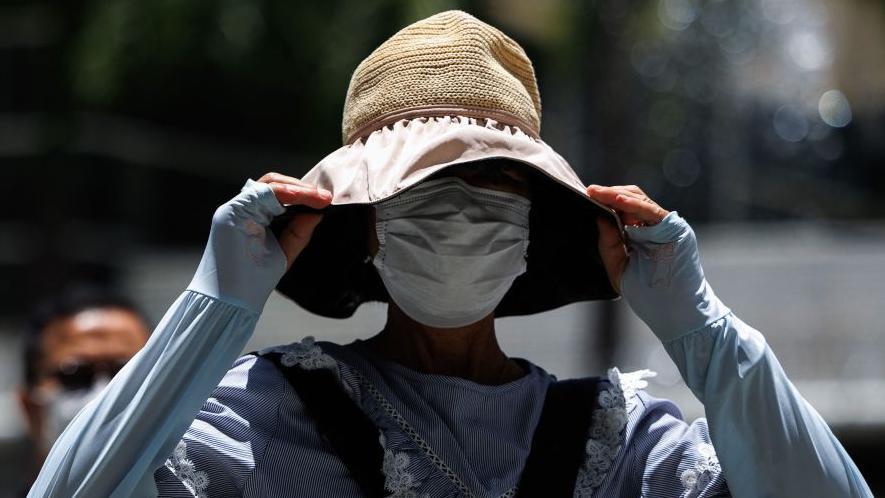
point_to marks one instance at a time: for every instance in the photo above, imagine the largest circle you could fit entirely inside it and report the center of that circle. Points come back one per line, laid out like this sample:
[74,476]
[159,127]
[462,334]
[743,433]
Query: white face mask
[449,251]
[61,406]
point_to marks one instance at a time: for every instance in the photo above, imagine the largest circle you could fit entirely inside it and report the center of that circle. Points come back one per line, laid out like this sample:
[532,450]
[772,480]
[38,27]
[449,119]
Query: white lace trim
[416,438]
[307,355]
[630,383]
[448,121]
[606,426]
[695,479]
[396,479]
[196,481]
[413,435]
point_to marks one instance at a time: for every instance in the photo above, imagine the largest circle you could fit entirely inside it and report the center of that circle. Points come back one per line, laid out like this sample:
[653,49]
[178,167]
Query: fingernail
[325,193]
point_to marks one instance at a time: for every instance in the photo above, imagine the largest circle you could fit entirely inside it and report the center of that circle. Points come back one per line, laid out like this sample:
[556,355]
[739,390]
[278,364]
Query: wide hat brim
[334,275]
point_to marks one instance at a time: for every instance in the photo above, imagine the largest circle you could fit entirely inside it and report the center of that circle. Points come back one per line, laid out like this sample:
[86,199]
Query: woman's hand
[288,190]
[634,208]
[243,260]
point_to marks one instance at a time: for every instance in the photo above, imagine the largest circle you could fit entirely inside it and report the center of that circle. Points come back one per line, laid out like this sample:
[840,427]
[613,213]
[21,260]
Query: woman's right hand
[243,260]
[288,190]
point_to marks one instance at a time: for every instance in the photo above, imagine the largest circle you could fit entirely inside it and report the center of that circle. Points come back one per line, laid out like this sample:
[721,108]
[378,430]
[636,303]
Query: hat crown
[451,60]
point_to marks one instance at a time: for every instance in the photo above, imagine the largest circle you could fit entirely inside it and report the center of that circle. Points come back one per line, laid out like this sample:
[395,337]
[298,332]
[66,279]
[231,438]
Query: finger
[606,195]
[634,189]
[648,212]
[281,178]
[295,237]
[627,201]
[600,191]
[637,195]
[611,250]
[609,235]
[295,194]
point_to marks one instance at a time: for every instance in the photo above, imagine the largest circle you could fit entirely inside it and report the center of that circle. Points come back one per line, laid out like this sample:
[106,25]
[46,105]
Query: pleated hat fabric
[449,62]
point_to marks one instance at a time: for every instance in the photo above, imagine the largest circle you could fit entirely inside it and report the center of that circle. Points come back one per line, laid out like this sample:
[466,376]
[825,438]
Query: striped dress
[442,436]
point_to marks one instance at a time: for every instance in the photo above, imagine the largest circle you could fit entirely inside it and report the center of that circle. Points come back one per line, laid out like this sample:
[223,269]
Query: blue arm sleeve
[769,440]
[113,446]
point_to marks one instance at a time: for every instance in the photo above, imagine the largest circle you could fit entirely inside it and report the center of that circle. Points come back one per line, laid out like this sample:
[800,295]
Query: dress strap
[560,436]
[341,422]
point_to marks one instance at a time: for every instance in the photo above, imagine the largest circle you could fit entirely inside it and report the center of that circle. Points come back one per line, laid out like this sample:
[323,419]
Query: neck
[471,352]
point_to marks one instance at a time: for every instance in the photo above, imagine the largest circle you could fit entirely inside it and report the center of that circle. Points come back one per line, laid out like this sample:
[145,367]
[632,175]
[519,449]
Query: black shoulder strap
[559,440]
[342,423]
[550,471]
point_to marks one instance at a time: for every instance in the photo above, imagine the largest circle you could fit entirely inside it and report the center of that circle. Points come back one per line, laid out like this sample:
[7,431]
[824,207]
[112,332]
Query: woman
[446,204]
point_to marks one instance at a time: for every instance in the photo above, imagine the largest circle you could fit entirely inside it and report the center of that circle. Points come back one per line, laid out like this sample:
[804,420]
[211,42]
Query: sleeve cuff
[664,283]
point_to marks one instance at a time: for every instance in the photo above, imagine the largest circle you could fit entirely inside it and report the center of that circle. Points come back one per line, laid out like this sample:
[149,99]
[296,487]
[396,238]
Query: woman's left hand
[634,207]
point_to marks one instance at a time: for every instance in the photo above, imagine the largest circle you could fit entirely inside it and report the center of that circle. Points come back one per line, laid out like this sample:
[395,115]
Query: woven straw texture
[449,60]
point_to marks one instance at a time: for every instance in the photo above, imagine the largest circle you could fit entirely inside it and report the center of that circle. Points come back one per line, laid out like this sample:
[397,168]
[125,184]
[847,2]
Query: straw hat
[450,63]
[447,90]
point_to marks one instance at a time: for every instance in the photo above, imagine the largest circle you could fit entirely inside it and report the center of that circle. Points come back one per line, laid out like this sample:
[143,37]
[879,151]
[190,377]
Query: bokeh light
[790,123]
[834,108]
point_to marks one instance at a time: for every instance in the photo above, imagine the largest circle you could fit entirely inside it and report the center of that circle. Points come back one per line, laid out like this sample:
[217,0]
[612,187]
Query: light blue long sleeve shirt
[245,432]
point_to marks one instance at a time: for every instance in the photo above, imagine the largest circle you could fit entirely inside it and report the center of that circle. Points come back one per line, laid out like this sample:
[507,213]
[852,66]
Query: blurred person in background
[75,343]
[430,206]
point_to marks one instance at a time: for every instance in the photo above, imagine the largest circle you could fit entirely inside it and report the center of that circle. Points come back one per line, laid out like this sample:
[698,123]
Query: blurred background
[124,123]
